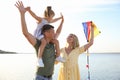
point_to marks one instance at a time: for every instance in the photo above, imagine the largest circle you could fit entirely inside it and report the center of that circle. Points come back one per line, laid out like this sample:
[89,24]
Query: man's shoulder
[38,42]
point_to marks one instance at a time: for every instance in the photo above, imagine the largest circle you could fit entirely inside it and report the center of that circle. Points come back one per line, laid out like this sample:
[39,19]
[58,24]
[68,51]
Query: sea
[22,66]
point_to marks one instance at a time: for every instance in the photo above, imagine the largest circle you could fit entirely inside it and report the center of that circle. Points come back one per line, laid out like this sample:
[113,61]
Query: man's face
[50,33]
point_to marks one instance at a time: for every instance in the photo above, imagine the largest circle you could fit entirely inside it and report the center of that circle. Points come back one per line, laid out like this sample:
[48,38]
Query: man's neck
[47,40]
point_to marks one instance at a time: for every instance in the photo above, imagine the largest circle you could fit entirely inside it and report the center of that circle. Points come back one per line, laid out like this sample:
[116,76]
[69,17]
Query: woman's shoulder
[79,49]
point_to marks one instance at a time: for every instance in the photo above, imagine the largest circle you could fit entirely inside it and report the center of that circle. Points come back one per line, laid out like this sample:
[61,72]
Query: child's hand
[62,17]
[55,41]
[27,8]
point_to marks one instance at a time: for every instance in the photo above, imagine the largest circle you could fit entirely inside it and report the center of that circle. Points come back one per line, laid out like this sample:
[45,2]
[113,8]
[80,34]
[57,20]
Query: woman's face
[70,38]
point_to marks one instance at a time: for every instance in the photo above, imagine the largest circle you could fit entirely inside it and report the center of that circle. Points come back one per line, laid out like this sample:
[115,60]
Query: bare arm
[41,48]
[91,40]
[57,48]
[56,19]
[22,11]
[58,31]
[33,14]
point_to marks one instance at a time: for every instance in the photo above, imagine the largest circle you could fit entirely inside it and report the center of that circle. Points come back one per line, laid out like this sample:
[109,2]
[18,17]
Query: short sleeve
[81,49]
[36,46]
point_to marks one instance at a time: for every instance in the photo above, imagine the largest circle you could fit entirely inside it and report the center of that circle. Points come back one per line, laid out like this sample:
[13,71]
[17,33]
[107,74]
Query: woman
[70,70]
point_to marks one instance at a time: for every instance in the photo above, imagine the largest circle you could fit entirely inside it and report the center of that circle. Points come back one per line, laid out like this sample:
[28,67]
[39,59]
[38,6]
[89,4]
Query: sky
[104,13]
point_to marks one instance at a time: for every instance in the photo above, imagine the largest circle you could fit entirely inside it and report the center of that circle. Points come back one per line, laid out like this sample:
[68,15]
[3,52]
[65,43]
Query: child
[49,14]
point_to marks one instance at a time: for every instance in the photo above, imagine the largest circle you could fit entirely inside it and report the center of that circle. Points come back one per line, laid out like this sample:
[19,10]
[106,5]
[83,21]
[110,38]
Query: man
[43,73]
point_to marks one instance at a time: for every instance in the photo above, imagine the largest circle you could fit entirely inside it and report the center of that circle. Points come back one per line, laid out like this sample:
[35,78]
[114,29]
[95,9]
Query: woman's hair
[48,12]
[75,41]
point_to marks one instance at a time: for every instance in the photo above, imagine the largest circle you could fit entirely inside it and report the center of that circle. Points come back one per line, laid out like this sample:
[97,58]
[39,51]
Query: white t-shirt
[37,32]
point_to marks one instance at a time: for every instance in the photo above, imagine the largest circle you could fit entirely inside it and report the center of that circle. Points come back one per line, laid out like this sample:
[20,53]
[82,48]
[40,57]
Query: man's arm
[58,31]
[22,11]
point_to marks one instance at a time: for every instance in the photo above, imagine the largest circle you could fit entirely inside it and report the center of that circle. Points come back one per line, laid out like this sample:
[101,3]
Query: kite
[87,31]
[87,28]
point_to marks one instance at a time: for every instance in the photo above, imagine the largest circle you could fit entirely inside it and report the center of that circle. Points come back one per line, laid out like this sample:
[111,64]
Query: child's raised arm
[56,19]
[33,14]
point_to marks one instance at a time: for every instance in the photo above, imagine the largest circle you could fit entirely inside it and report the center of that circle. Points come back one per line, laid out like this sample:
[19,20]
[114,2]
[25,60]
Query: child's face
[51,16]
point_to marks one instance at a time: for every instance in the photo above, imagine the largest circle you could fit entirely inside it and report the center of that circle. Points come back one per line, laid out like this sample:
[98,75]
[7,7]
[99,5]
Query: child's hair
[48,12]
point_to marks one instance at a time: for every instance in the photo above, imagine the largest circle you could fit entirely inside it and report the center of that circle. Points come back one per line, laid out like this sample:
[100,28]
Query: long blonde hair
[75,41]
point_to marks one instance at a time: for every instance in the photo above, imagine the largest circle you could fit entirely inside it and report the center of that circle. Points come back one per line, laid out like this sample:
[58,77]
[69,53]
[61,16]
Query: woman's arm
[90,43]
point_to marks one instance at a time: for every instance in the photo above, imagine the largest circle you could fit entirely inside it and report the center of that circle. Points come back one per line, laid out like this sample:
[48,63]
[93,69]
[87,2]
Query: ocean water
[23,66]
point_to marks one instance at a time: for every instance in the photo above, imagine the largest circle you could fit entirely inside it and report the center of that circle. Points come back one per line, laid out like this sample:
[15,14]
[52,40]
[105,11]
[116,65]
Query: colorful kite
[87,30]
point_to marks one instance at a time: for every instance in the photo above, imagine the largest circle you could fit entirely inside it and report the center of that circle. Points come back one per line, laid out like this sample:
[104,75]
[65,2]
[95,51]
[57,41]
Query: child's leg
[57,48]
[58,57]
[40,52]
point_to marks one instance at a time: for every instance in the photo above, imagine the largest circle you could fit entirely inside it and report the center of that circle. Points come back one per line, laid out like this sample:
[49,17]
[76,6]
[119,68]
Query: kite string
[88,64]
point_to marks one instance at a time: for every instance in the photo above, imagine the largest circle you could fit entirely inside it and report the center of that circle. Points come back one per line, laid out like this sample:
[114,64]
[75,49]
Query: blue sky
[104,13]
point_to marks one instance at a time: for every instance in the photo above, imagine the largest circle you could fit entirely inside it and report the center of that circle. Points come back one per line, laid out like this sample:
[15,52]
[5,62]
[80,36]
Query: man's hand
[20,7]
[54,41]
